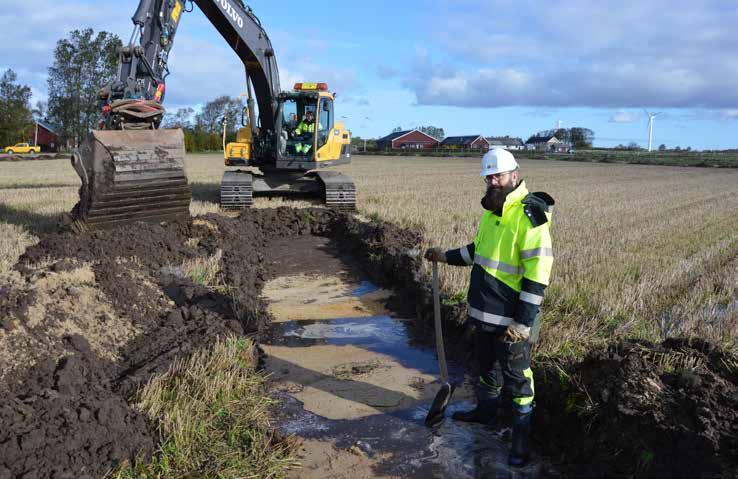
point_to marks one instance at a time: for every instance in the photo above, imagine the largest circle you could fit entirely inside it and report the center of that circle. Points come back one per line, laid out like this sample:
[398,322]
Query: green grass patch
[458,297]
[213,417]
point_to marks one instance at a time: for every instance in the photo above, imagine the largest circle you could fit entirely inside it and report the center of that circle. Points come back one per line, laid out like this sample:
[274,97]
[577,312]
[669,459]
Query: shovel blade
[438,407]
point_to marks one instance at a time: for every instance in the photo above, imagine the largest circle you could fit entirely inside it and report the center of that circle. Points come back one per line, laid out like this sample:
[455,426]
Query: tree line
[83,63]
[15,110]
[203,131]
[576,137]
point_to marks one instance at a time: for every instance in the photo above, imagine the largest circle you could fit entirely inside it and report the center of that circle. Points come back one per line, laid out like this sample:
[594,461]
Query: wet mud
[87,319]
[68,372]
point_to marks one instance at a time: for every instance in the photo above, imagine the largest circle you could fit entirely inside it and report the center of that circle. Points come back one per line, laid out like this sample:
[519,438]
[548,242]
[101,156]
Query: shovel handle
[439,330]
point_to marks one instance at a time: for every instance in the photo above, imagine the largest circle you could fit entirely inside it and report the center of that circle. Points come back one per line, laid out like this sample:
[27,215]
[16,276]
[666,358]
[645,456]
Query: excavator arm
[144,62]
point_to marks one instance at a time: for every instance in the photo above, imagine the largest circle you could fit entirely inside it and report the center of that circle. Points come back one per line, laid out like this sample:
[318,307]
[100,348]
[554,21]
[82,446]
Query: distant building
[506,142]
[43,135]
[546,143]
[471,142]
[407,140]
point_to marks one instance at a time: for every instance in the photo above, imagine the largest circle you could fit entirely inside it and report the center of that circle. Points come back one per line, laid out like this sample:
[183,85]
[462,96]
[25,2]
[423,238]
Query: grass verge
[213,418]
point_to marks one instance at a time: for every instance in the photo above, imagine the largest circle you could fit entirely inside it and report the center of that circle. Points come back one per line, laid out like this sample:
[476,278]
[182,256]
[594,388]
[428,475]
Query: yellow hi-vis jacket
[512,258]
[304,127]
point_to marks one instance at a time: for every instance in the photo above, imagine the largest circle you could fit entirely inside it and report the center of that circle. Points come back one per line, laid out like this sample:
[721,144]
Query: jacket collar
[515,196]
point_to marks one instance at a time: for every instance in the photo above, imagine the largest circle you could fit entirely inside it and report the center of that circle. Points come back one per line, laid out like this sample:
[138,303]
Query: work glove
[437,255]
[517,332]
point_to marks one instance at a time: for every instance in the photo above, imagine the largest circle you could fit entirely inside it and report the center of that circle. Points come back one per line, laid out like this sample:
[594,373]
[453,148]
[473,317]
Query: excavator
[133,170]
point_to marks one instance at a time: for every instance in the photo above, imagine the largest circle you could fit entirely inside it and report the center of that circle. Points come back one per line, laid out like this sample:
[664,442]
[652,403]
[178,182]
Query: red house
[469,142]
[44,136]
[407,140]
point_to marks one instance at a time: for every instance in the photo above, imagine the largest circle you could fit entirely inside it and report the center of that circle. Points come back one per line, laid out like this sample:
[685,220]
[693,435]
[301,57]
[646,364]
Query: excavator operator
[304,134]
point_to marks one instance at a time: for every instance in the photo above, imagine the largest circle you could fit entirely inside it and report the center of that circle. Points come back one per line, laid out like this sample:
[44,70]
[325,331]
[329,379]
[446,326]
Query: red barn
[44,136]
[407,140]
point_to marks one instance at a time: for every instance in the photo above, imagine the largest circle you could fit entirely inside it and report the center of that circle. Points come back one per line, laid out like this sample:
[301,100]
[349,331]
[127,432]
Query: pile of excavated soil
[85,320]
[641,409]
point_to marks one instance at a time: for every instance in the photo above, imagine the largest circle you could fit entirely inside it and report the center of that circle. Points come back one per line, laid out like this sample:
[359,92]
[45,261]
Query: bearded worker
[511,259]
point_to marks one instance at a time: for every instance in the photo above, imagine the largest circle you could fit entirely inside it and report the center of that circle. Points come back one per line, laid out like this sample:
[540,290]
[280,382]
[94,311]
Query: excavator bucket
[130,175]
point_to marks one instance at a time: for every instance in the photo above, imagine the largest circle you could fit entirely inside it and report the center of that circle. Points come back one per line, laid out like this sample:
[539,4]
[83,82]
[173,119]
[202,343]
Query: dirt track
[37,156]
[84,320]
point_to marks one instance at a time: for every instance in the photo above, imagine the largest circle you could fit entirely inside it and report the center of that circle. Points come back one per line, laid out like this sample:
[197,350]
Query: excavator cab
[318,143]
[309,139]
[299,126]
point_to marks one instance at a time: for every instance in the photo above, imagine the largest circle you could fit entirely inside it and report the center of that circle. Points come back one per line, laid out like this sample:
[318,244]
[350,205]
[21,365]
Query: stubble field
[641,251]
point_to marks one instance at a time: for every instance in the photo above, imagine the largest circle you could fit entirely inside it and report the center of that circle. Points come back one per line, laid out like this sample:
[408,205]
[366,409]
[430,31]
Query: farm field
[642,253]
[712,159]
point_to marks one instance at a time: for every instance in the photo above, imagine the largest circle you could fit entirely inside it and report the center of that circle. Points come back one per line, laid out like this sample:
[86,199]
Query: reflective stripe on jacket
[304,127]
[511,261]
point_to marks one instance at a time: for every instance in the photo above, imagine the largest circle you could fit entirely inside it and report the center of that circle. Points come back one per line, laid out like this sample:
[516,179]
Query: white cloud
[202,65]
[674,53]
[623,116]
[729,114]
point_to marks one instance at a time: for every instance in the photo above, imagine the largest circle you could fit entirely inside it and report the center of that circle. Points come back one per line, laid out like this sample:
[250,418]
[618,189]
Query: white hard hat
[498,160]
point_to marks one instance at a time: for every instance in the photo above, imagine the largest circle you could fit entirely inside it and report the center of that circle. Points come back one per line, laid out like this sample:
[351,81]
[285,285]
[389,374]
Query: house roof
[398,134]
[505,140]
[540,139]
[461,140]
[46,127]
[394,135]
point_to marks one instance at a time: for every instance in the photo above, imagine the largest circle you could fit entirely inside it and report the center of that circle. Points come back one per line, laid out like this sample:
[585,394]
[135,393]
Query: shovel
[443,396]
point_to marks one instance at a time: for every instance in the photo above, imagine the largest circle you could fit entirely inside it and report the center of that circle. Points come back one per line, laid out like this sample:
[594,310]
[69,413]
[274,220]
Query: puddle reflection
[380,334]
[366,287]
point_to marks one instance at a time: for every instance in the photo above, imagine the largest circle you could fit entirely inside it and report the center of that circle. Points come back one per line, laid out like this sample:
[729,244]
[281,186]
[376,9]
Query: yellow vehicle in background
[21,148]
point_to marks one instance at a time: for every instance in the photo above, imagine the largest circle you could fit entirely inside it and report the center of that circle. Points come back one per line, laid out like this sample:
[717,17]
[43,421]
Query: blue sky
[499,67]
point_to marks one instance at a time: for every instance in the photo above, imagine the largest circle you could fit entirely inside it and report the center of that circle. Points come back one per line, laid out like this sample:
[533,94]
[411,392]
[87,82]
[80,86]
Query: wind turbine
[651,116]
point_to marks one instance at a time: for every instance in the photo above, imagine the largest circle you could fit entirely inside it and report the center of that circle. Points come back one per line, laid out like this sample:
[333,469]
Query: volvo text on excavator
[133,170]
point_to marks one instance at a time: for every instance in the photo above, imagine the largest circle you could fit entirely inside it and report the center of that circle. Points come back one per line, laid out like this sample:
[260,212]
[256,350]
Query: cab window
[325,120]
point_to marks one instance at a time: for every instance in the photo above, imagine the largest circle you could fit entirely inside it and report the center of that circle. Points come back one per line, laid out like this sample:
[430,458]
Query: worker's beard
[494,198]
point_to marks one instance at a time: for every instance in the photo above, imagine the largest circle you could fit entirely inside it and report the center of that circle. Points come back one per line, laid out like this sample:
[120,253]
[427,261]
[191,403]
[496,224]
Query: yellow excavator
[133,170]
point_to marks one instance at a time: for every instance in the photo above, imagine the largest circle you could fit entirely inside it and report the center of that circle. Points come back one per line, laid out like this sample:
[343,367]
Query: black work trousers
[503,365]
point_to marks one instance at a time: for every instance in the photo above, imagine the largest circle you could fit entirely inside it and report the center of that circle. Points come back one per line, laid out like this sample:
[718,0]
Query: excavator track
[236,190]
[339,190]
[130,175]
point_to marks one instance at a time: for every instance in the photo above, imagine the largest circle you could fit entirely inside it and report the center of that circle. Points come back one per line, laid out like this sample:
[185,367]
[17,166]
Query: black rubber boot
[485,411]
[520,448]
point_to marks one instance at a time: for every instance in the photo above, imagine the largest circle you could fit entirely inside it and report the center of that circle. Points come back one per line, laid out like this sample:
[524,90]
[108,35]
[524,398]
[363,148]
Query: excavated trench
[356,378]
[342,315]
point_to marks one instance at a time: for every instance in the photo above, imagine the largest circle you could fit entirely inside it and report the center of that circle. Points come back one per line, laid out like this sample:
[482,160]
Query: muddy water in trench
[356,387]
